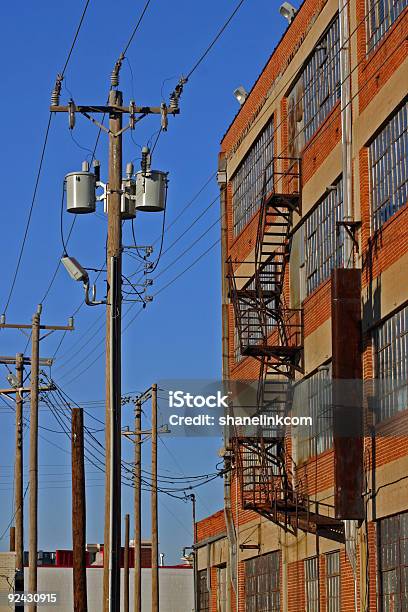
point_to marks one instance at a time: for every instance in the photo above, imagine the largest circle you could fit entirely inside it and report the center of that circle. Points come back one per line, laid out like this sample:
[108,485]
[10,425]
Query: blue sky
[179,334]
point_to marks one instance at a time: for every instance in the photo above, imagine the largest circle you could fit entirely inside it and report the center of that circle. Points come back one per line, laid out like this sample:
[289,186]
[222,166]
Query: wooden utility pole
[33,469]
[18,484]
[138,507]
[112,531]
[78,512]
[112,540]
[35,328]
[126,567]
[154,509]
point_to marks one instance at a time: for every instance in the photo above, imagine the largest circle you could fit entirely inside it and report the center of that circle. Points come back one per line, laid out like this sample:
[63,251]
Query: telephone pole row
[36,327]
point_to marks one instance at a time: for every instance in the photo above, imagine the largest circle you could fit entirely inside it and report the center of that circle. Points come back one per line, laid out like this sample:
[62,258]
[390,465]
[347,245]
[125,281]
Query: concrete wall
[176,588]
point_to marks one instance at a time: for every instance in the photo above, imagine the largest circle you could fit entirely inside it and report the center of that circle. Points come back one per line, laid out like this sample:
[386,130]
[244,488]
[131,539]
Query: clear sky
[179,334]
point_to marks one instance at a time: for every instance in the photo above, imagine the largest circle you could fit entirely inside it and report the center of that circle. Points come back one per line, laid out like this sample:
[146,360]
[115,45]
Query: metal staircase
[272,333]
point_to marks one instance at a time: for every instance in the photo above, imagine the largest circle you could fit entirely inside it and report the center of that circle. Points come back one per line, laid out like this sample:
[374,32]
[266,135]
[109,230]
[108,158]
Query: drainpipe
[346,130]
[229,523]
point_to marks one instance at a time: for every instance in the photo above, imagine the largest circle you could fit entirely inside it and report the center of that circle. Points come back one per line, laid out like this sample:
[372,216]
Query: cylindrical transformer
[127,205]
[81,198]
[151,191]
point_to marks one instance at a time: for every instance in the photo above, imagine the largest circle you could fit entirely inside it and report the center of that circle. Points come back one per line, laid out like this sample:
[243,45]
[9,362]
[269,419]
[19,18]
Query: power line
[40,167]
[135,29]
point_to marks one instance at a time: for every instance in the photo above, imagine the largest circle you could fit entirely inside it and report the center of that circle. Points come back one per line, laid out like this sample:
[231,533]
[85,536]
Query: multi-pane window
[333,581]
[381,14]
[312,584]
[203,592]
[222,589]
[315,393]
[324,239]
[393,563]
[389,168]
[391,353]
[262,583]
[318,87]
[251,178]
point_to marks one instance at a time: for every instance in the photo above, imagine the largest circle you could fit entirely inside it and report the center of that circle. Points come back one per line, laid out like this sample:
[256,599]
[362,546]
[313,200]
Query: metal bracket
[351,228]
[93,301]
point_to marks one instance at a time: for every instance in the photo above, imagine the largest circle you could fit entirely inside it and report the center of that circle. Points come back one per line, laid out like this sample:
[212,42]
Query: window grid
[381,14]
[262,583]
[203,593]
[316,393]
[333,581]
[221,589]
[312,584]
[389,169]
[391,354]
[248,181]
[321,80]
[393,553]
[324,244]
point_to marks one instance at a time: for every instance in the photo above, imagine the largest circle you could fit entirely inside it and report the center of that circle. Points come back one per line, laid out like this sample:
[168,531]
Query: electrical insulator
[145,163]
[71,114]
[164,119]
[55,94]
[129,170]
[97,170]
[116,70]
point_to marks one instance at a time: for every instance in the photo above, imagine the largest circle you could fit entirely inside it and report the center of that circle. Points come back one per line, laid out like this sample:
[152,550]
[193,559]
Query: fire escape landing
[272,332]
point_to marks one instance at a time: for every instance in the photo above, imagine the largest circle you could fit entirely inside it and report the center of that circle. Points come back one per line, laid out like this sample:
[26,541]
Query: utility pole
[154,509]
[35,328]
[126,567]
[18,484]
[115,110]
[138,507]
[19,360]
[78,512]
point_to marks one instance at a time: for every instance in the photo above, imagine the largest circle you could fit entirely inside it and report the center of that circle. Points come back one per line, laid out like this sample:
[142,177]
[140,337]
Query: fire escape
[272,333]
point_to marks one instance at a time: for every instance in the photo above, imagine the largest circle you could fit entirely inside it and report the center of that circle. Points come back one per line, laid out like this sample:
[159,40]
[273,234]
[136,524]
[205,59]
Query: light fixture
[288,11]
[78,273]
[241,94]
[12,379]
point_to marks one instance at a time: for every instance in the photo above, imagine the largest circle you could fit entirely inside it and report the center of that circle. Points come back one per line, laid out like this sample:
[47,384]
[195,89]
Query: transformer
[80,188]
[127,202]
[151,189]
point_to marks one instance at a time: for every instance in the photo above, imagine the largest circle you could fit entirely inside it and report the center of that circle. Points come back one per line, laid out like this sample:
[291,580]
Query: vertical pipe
[154,510]
[195,551]
[138,513]
[346,129]
[126,567]
[111,575]
[78,512]
[33,459]
[19,497]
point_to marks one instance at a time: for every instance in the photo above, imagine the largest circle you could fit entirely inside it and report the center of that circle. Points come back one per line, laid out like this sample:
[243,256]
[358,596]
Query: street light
[78,273]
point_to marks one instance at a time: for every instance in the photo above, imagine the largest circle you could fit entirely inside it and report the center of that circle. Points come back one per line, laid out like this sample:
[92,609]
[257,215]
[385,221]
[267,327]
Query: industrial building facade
[313,174]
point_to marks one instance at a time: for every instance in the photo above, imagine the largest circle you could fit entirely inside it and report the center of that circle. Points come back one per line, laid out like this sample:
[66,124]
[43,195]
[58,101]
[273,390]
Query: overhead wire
[40,166]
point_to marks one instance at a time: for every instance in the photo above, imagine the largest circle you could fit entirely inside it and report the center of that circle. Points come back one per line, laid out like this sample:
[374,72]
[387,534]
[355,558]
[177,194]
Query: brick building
[314,181]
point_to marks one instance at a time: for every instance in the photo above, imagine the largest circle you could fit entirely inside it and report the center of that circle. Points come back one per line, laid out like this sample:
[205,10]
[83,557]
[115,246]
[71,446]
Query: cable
[38,176]
[210,46]
[129,42]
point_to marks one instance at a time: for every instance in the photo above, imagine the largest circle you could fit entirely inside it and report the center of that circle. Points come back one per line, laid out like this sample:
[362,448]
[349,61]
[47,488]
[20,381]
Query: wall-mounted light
[241,94]
[288,11]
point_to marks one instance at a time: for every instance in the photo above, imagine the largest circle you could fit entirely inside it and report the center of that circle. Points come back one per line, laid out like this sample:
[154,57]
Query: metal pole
[154,510]
[33,477]
[138,509]
[112,540]
[195,552]
[126,567]
[78,512]
[19,497]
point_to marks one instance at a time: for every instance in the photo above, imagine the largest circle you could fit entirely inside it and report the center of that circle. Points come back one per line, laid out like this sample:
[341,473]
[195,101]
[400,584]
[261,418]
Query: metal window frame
[321,95]
[388,153]
[222,593]
[391,364]
[381,14]
[311,569]
[333,582]
[262,583]
[324,240]
[203,597]
[248,179]
[392,541]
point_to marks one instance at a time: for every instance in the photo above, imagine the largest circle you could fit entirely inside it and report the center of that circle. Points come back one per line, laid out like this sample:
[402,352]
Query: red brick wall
[210,526]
